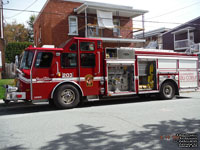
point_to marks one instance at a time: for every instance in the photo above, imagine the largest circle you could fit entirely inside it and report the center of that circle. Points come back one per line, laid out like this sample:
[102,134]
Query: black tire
[66,96]
[51,102]
[167,90]
[6,101]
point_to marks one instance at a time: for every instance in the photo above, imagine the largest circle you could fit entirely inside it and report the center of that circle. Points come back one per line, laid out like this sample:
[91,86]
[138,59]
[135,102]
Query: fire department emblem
[89,80]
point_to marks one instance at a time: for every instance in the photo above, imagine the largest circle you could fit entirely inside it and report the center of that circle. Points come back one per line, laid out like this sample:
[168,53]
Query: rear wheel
[167,91]
[66,96]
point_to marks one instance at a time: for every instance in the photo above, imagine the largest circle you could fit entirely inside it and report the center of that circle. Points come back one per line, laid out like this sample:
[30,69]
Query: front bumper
[12,94]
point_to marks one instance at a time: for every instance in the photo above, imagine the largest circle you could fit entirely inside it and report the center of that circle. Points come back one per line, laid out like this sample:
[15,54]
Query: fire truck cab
[84,70]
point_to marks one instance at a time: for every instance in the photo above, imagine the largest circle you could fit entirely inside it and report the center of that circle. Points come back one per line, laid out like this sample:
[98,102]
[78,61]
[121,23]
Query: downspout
[174,41]
[86,26]
[143,28]
[188,37]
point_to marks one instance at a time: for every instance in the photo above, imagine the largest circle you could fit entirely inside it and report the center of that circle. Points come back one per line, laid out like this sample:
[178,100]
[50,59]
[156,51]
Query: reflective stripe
[169,58]
[58,79]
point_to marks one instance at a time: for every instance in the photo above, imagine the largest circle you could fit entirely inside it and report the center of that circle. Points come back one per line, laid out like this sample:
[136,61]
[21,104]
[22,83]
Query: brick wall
[54,24]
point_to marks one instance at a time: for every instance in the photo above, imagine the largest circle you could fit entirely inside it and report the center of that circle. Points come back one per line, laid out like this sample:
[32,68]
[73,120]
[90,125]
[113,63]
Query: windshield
[26,60]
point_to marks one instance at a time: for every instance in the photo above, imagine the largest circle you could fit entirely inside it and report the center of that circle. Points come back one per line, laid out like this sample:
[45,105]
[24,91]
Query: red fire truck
[84,70]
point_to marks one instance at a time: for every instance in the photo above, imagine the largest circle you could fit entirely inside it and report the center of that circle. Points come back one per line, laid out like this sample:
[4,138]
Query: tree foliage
[15,32]
[15,48]
[30,28]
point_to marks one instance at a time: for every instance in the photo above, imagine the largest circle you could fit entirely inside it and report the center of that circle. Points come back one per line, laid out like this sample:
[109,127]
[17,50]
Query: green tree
[30,28]
[15,48]
[15,32]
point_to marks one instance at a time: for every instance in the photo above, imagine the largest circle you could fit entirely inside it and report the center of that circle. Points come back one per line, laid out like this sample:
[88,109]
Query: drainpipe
[188,37]
[86,27]
[143,28]
[174,41]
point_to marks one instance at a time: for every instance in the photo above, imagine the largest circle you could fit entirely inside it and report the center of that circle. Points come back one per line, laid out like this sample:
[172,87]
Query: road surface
[125,124]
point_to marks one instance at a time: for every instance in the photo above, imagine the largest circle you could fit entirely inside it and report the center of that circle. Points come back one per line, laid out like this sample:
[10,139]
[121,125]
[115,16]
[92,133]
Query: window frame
[89,43]
[38,67]
[116,23]
[70,32]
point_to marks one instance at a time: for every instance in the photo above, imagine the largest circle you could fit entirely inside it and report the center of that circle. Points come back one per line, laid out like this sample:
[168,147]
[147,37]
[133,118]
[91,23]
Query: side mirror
[17,61]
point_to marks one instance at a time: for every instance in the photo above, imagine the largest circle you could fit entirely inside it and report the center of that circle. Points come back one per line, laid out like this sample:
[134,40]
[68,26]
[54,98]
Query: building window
[43,60]
[68,60]
[116,29]
[73,25]
[40,35]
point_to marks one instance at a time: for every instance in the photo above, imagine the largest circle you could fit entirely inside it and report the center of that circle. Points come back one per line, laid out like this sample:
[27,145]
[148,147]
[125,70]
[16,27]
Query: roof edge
[181,25]
[41,11]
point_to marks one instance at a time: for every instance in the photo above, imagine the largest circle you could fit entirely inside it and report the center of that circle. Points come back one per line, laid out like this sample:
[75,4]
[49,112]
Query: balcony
[182,44]
[106,22]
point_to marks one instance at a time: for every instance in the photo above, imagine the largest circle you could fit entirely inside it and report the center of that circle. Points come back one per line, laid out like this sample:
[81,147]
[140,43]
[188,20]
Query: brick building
[60,20]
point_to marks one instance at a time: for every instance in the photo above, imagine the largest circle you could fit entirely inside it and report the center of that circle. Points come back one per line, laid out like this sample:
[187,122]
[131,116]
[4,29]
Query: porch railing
[182,44]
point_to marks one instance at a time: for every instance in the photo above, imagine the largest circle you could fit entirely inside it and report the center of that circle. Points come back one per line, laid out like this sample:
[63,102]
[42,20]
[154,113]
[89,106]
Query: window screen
[73,25]
[43,60]
[87,46]
[116,29]
[68,60]
[88,60]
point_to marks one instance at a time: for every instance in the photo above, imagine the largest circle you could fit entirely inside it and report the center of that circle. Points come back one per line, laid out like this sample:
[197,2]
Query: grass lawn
[3,82]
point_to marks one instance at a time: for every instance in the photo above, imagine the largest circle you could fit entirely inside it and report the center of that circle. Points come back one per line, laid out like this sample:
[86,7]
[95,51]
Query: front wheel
[6,101]
[167,91]
[66,96]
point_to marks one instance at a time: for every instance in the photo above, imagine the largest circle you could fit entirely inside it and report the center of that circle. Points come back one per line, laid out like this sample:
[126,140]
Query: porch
[111,23]
[184,39]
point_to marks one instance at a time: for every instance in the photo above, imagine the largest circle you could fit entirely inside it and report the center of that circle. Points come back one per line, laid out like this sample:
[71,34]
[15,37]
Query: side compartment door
[188,73]
[90,67]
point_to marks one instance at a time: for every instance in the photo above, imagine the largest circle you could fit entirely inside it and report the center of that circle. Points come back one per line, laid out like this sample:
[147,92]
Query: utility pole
[1,20]
[2,41]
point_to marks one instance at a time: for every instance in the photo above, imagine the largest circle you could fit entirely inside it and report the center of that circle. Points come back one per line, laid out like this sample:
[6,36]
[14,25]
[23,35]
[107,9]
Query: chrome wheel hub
[68,96]
[168,91]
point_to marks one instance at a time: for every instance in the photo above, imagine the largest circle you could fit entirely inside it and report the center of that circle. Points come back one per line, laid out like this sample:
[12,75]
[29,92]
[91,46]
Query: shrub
[15,48]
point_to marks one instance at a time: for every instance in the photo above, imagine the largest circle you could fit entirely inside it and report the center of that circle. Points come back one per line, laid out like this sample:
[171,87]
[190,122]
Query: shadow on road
[22,107]
[89,137]
[150,138]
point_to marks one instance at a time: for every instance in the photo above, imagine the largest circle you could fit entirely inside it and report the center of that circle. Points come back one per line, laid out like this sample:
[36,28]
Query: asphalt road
[130,124]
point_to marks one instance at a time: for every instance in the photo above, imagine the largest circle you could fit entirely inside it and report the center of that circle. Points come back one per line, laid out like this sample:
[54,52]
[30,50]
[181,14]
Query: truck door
[90,67]
[41,75]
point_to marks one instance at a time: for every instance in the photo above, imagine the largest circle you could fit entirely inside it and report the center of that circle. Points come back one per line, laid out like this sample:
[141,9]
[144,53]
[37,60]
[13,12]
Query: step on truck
[84,70]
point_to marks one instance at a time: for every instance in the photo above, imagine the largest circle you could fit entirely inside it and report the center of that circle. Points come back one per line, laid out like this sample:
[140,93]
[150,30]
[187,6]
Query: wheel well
[174,83]
[71,83]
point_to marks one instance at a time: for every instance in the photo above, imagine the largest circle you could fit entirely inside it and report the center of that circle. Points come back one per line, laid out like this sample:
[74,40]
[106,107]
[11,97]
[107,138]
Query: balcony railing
[182,44]
[94,31]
